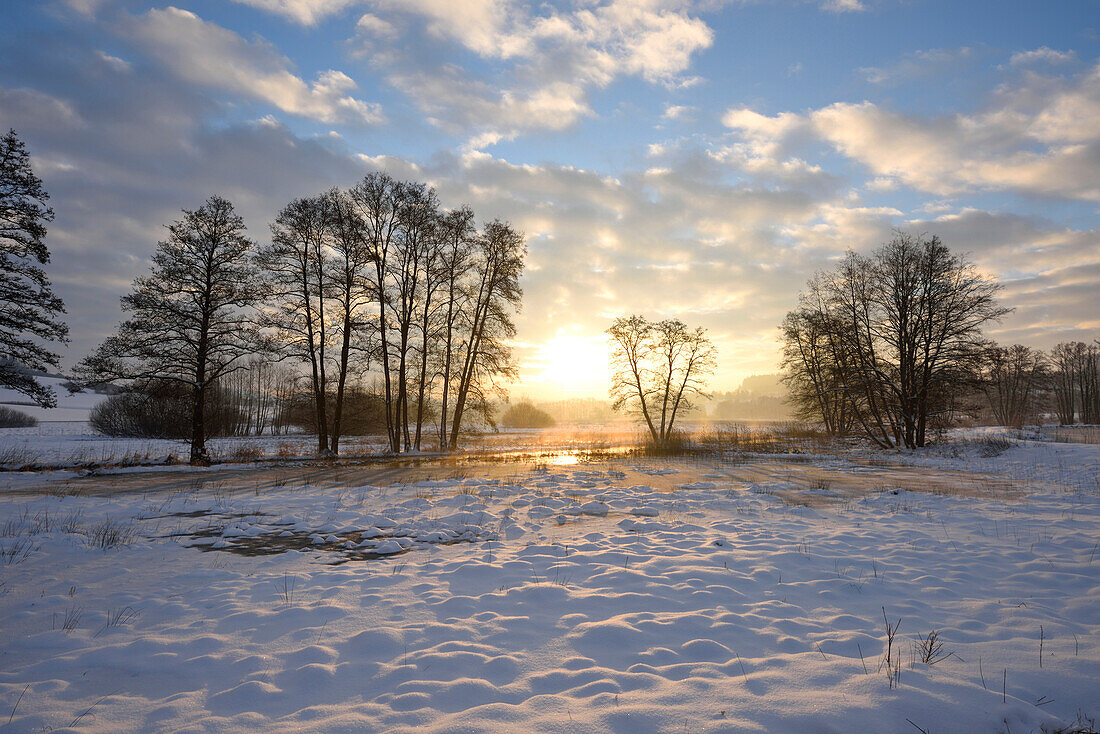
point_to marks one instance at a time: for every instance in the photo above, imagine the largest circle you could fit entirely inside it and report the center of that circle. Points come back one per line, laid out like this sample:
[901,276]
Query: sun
[573,364]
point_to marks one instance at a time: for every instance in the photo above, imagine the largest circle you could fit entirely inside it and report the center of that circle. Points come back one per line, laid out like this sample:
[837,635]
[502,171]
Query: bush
[526,415]
[11,418]
[152,410]
[161,409]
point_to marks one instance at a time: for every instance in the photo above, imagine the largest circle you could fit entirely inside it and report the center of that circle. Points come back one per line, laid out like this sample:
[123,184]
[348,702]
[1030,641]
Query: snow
[64,444]
[70,407]
[603,597]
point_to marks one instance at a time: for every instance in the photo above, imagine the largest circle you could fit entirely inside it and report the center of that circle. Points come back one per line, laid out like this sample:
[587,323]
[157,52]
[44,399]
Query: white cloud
[41,111]
[677,112]
[86,8]
[489,28]
[764,135]
[114,62]
[305,12]
[1039,137]
[541,62]
[843,6]
[204,53]
[1044,55]
[459,104]
[374,26]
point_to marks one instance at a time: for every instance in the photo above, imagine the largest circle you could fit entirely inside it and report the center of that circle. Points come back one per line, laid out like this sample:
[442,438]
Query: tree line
[1021,384]
[382,296]
[376,280]
[375,306]
[890,345]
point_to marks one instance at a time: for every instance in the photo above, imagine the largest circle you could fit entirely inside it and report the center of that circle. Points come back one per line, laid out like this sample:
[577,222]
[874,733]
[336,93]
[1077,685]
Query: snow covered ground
[638,595]
[75,444]
[61,444]
[70,407]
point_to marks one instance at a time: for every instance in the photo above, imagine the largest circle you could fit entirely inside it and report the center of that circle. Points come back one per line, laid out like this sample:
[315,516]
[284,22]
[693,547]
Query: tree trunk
[199,457]
[341,382]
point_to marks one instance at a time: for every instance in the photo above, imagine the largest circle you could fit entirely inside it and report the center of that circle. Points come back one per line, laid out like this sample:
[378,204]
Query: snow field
[565,600]
[74,444]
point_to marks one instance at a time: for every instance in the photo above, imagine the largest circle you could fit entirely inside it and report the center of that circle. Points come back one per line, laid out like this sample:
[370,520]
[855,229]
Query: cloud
[371,25]
[763,135]
[920,64]
[843,6]
[677,112]
[723,233]
[1049,271]
[41,110]
[204,53]
[600,245]
[117,63]
[305,12]
[1035,138]
[1043,55]
[459,104]
[536,65]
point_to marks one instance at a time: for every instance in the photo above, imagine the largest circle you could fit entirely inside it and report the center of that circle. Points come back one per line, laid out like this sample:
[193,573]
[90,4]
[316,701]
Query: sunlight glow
[570,363]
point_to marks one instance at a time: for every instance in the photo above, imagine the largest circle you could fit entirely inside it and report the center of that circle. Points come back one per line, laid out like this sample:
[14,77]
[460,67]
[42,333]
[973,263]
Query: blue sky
[668,157]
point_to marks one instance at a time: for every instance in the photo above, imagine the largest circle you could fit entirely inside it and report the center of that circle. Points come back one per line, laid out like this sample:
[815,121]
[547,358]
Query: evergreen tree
[29,310]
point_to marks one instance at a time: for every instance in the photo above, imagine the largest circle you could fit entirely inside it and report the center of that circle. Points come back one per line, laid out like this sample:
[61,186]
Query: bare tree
[658,368]
[189,320]
[456,238]
[377,199]
[411,261]
[811,371]
[494,293]
[895,334]
[350,265]
[444,297]
[435,278]
[1012,380]
[29,310]
[1076,382]
[294,267]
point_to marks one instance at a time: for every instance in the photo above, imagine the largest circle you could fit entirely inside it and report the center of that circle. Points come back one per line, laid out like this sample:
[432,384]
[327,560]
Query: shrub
[12,418]
[146,410]
[525,415]
[160,409]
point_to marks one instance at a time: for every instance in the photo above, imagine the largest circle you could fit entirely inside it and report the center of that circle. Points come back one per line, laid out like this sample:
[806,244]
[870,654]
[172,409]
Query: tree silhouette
[189,320]
[658,368]
[29,310]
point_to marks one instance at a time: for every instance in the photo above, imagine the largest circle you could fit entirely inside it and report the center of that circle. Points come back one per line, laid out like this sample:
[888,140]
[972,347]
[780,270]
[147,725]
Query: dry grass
[1074,434]
[15,457]
[247,453]
[759,438]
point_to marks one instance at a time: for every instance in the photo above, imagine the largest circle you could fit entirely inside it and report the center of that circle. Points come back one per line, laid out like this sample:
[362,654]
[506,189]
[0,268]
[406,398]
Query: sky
[696,160]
